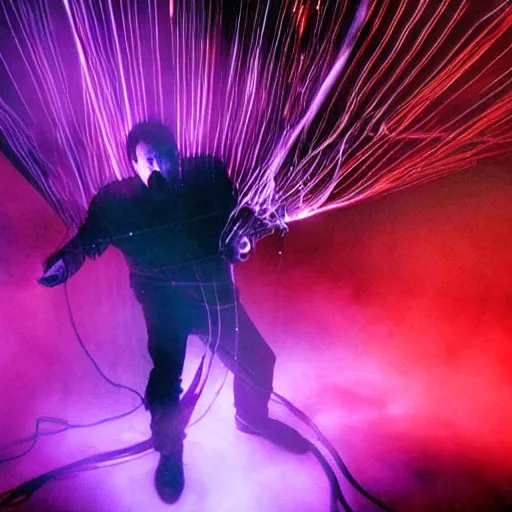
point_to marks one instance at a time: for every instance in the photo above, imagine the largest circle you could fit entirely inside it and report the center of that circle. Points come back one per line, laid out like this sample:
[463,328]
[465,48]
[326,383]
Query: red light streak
[425,90]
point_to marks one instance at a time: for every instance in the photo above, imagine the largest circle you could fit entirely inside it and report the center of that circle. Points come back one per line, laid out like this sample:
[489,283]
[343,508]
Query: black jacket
[166,230]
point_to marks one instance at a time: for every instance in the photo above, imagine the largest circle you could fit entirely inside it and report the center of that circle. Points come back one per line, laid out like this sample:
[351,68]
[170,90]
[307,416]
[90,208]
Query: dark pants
[172,313]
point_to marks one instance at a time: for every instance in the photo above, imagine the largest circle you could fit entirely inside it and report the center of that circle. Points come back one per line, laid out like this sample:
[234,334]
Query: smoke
[391,324]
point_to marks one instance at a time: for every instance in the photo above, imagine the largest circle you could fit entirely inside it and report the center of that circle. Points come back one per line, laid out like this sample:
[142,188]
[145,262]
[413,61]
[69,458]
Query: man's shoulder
[202,161]
[203,168]
[120,189]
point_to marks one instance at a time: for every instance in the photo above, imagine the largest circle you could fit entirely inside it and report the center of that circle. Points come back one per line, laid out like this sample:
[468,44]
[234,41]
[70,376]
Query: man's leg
[245,352]
[167,339]
[253,364]
[242,348]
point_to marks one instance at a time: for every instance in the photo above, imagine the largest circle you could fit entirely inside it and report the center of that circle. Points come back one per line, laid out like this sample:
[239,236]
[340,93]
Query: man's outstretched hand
[62,264]
[54,275]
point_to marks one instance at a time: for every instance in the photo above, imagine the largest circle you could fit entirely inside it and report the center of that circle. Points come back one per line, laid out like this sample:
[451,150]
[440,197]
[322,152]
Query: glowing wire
[313,105]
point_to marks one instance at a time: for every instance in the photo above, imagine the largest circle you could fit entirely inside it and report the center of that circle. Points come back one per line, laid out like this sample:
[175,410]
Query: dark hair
[151,132]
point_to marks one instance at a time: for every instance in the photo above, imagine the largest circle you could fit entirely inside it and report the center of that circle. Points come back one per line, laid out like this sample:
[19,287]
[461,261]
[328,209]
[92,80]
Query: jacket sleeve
[91,240]
[224,190]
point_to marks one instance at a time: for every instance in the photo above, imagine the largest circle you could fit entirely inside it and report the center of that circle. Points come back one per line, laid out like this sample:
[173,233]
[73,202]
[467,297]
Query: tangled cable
[23,492]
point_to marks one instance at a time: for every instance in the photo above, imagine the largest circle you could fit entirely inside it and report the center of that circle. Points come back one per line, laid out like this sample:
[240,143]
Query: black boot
[276,432]
[169,475]
[168,436]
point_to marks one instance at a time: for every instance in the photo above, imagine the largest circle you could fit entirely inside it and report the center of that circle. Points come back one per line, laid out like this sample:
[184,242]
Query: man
[168,222]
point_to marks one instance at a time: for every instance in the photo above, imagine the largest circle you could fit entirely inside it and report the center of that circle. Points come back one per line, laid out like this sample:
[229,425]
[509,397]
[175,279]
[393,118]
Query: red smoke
[391,322]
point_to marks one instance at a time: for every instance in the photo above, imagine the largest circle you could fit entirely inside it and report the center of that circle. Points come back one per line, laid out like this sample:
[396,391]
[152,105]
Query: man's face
[150,159]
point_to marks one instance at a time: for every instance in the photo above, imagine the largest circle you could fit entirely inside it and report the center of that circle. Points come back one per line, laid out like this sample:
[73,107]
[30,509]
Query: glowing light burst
[313,104]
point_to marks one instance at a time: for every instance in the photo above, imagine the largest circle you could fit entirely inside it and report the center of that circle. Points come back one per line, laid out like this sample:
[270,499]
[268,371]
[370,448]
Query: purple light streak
[304,117]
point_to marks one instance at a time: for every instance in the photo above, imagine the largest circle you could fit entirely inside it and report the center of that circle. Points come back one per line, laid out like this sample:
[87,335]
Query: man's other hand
[237,250]
[54,275]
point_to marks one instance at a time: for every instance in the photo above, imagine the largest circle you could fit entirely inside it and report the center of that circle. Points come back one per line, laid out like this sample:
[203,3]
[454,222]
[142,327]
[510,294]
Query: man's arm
[91,240]
[221,186]
[244,228]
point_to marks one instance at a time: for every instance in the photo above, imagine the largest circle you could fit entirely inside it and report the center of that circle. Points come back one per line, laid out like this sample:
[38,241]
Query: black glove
[54,274]
[244,229]
[60,266]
